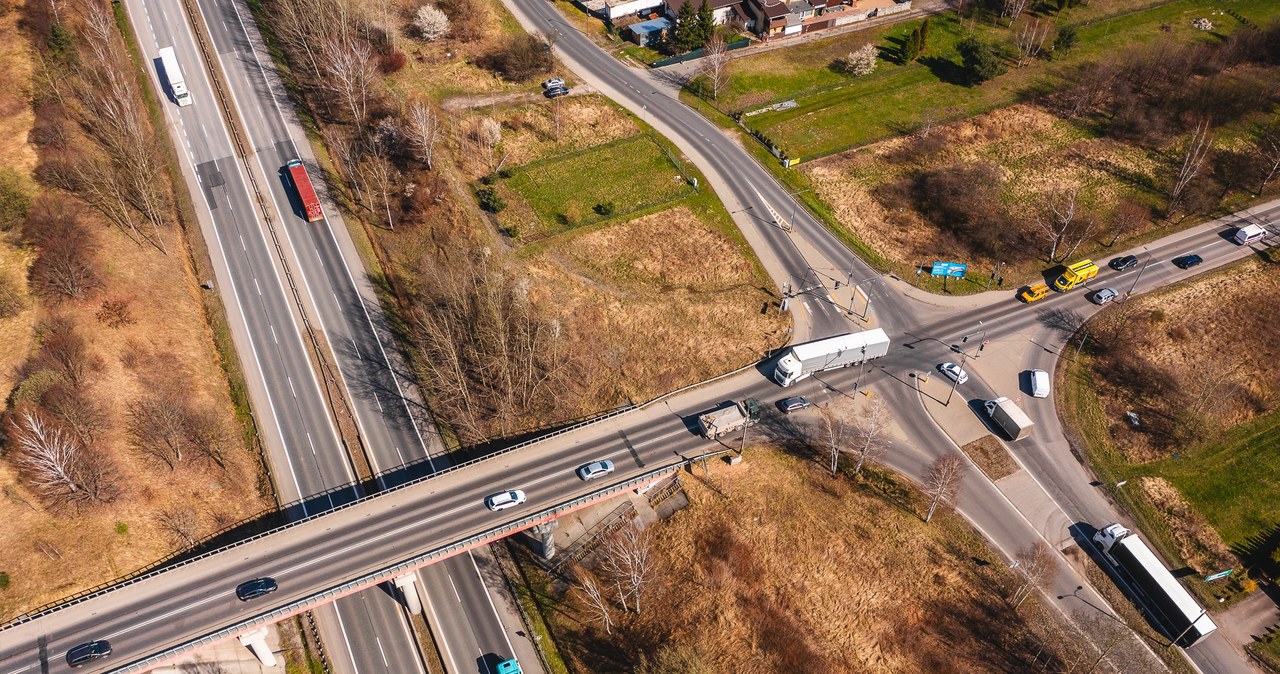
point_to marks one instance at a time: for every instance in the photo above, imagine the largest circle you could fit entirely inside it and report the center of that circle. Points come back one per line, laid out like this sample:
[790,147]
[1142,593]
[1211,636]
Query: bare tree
[64,351]
[55,466]
[869,441]
[182,524]
[1196,152]
[383,180]
[157,425]
[1127,217]
[432,24]
[207,436]
[1108,640]
[1036,567]
[1063,221]
[629,559]
[488,135]
[1012,9]
[716,64]
[1030,39]
[351,74]
[422,130]
[1266,141]
[83,415]
[593,596]
[832,420]
[942,482]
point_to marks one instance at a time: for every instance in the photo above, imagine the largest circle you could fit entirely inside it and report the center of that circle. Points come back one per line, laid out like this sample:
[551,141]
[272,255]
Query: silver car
[595,469]
[1104,296]
[505,499]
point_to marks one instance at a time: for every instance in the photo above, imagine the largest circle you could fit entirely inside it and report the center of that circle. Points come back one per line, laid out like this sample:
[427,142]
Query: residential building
[618,9]
[649,33]
[724,11]
[780,18]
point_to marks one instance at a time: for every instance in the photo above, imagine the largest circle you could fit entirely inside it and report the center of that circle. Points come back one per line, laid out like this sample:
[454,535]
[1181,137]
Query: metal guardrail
[396,570]
[587,541]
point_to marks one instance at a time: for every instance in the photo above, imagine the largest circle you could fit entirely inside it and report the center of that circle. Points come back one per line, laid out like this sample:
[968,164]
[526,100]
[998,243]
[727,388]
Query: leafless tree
[157,426]
[629,559]
[1199,144]
[64,350]
[1030,39]
[1063,222]
[181,523]
[55,466]
[80,412]
[488,135]
[594,597]
[11,297]
[207,436]
[422,130]
[1266,141]
[832,419]
[1127,217]
[869,441]
[351,74]
[432,24]
[942,482]
[1036,567]
[716,64]
[1012,9]
[383,179]
[1108,644]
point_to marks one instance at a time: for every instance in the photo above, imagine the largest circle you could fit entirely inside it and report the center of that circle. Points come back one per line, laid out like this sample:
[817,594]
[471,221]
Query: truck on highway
[1075,275]
[728,417]
[173,75]
[1009,417]
[802,360]
[1166,599]
[306,193]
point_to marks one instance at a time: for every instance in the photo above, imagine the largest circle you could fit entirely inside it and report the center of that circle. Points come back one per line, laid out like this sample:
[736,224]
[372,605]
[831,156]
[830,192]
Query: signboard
[955,269]
[1216,576]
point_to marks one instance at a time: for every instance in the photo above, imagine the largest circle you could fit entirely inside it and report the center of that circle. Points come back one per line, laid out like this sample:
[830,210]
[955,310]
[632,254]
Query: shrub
[4,580]
[521,58]
[490,200]
[14,200]
[11,300]
[982,60]
[606,209]
[431,22]
[392,63]
[122,528]
[860,62]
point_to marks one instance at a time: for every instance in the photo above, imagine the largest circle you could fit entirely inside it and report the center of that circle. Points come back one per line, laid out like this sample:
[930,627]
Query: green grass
[837,112]
[633,174]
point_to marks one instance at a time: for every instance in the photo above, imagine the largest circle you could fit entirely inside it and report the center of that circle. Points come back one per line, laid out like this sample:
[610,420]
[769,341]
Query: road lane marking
[290,380]
[165,616]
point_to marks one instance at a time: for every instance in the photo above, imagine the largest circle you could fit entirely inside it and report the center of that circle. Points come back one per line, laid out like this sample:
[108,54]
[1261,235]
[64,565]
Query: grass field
[604,182]
[836,112]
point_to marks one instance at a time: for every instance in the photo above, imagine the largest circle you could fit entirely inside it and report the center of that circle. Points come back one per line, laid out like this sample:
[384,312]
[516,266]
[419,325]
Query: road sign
[955,269]
[1216,576]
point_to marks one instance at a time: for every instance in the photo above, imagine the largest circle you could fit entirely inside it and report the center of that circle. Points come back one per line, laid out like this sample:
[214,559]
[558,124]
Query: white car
[954,372]
[595,469]
[1039,384]
[553,83]
[505,499]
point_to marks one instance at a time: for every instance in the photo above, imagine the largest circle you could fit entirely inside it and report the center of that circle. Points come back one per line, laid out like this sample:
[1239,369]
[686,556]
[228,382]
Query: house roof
[651,26]
[675,5]
[773,9]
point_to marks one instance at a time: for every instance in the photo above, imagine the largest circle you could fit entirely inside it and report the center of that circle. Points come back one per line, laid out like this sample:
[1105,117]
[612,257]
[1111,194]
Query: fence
[695,54]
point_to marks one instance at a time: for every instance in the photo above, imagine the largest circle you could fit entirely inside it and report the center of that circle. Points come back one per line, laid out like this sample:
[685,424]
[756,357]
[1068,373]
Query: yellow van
[1076,274]
[1033,293]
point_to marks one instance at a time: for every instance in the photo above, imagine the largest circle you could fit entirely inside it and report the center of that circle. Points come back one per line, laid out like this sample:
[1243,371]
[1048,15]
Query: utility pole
[861,363]
[1135,279]
[1193,624]
[956,382]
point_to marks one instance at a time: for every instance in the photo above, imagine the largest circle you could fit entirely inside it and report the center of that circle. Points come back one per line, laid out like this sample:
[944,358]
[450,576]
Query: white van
[1248,234]
[1039,384]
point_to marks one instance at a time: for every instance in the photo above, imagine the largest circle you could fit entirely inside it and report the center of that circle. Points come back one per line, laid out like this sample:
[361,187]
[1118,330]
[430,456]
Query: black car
[255,588]
[1188,261]
[556,92]
[793,404]
[1123,263]
[86,653]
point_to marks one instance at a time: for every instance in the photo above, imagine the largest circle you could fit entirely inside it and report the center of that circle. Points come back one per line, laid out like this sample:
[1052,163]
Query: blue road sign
[955,269]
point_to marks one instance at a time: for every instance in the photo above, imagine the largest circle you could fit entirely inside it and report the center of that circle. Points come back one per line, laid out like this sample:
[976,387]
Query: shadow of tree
[946,70]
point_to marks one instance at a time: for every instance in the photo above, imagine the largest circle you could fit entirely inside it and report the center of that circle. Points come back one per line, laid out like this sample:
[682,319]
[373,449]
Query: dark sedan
[1187,261]
[1123,263]
[255,588]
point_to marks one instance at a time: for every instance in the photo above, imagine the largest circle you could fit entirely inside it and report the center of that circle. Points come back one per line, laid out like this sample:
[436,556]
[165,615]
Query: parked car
[505,499]
[255,588]
[1123,263]
[793,404]
[595,469]
[86,653]
[553,83]
[1104,296]
[1039,384]
[954,372]
[557,92]
[1188,261]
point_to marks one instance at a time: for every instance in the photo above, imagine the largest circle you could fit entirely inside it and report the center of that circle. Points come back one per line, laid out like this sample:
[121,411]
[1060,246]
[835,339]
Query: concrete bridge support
[256,641]
[546,540]
[408,586]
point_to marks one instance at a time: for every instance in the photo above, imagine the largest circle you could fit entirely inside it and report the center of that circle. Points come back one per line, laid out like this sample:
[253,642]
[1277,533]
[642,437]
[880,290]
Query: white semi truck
[1007,415]
[173,74]
[1169,602]
[802,360]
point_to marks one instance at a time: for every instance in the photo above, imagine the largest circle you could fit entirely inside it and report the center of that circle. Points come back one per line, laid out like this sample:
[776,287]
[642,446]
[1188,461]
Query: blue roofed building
[649,33]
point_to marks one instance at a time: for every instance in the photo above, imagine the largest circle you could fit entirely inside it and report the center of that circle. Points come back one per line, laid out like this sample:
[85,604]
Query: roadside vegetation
[120,440]
[539,258]
[1144,120]
[1197,456]
[777,565]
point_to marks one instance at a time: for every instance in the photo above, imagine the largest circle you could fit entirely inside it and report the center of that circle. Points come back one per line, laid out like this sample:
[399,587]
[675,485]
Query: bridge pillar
[407,584]
[545,539]
[256,641]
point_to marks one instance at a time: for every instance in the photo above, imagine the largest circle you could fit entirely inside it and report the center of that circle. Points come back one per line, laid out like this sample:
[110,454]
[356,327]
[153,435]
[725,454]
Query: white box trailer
[802,360]
[1007,415]
[173,75]
[1171,604]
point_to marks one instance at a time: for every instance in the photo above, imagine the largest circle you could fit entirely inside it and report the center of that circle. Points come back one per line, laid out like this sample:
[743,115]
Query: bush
[4,580]
[606,209]
[122,528]
[14,200]
[982,60]
[392,63]
[860,62]
[490,200]
[521,58]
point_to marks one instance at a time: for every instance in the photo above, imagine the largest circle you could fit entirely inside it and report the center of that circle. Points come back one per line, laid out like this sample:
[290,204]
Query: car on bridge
[85,653]
[255,588]
[505,499]
[595,469]
[954,373]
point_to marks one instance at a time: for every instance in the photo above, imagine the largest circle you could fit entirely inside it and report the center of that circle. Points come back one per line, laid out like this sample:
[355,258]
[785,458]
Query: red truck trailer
[307,193]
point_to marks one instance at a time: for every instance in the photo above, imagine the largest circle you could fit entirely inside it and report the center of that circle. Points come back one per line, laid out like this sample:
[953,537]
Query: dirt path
[456,103]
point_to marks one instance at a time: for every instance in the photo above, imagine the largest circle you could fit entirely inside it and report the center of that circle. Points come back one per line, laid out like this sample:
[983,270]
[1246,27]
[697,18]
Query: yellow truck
[1075,275]
[1033,293]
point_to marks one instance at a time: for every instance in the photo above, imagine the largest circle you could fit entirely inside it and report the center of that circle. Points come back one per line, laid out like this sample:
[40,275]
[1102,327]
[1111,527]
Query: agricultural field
[1201,459]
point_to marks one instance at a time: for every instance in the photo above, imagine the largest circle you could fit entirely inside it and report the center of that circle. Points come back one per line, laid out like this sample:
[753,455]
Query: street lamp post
[956,382]
[1135,279]
[861,363]
[1193,624]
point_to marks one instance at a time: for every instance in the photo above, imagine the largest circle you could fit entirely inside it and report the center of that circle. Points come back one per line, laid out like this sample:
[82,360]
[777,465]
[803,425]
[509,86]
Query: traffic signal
[984,345]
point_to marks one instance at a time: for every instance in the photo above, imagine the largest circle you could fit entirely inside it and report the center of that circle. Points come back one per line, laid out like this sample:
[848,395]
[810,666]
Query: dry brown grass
[1035,150]
[1198,543]
[991,457]
[684,306]
[786,569]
